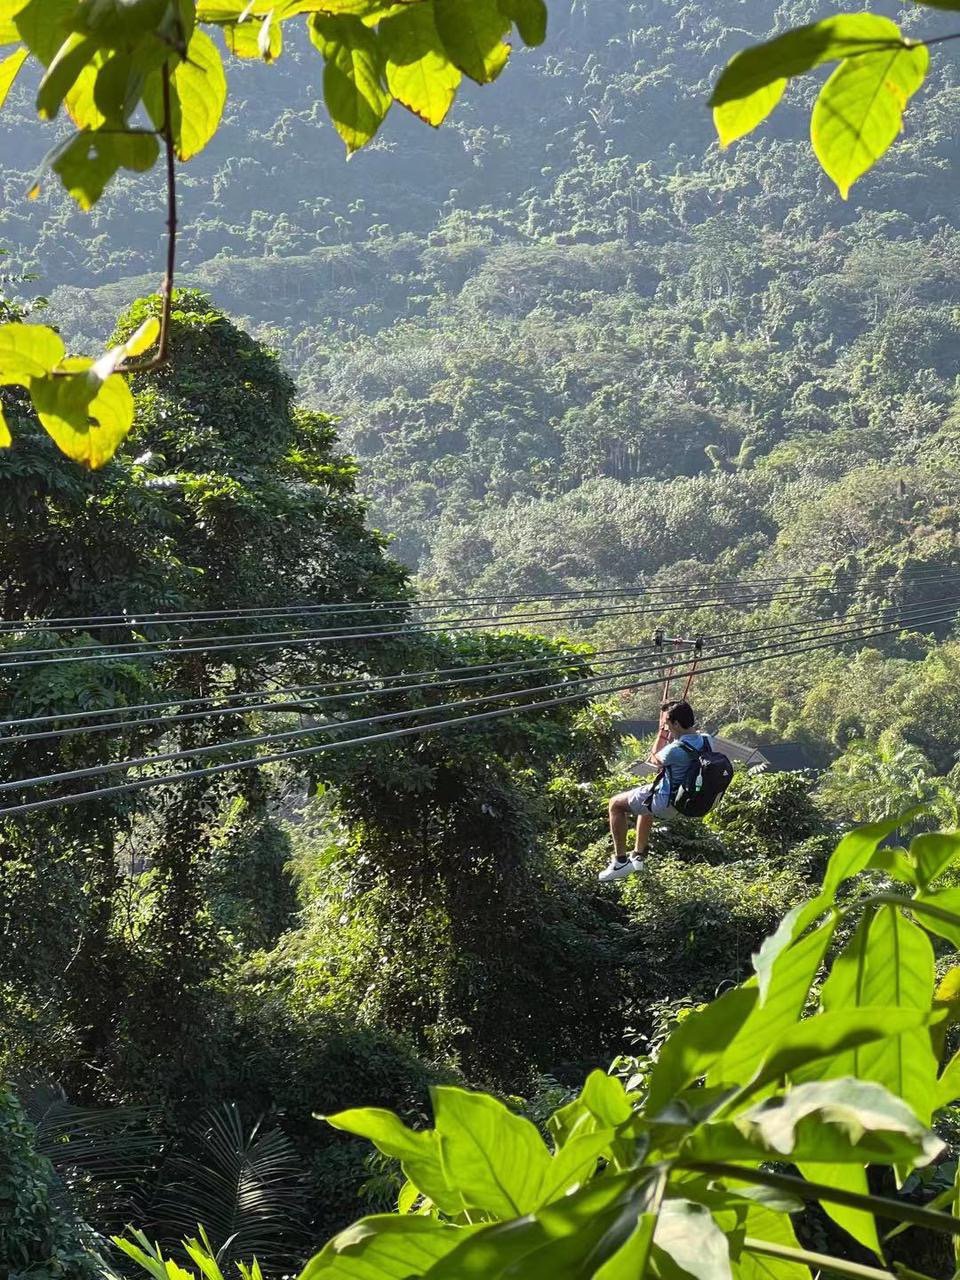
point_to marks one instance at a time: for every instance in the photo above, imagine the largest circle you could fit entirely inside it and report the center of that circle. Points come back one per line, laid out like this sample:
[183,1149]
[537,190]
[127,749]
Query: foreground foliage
[679,1177]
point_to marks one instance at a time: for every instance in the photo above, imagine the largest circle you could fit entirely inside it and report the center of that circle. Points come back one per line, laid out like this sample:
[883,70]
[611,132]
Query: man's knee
[619,803]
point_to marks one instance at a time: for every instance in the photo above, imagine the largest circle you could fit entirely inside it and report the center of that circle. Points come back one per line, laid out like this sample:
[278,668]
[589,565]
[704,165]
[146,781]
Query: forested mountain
[567,288]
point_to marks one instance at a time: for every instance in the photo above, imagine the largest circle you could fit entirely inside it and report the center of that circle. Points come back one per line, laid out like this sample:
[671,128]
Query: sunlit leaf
[73,55]
[933,853]
[859,111]
[847,1177]
[419,73]
[353,78]
[387,1246]
[9,69]
[755,77]
[86,417]
[697,1044]
[199,93]
[28,351]
[473,33]
[692,1242]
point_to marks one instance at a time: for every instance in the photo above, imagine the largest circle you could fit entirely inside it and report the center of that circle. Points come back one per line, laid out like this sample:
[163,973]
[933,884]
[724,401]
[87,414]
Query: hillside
[566,289]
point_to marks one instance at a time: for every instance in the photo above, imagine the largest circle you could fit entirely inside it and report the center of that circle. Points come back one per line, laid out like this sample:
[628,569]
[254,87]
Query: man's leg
[644,827]
[619,810]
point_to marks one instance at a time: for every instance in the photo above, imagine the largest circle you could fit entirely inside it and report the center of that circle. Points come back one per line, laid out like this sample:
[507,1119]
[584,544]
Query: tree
[143,81]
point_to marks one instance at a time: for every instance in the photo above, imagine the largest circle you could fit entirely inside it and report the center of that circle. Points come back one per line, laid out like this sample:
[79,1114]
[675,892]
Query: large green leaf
[791,975]
[353,78]
[827,1035]
[28,351]
[851,855]
[387,1247]
[688,1241]
[697,1044]
[71,58]
[842,1121]
[88,417]
[771,1227]
[198,96]
[496,1158]
[472,32]
[572,1237]
[859,111]
[848,1177]
[943,917]
[933,853]
[601,1104]
[753,81]
[419,73]
[417,1150]
[888,962]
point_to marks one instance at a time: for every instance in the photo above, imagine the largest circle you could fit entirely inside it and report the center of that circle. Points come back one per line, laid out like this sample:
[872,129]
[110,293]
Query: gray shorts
[639,801]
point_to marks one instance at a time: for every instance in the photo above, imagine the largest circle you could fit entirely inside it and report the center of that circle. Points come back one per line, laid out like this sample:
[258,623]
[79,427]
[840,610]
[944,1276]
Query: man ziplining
[686,763]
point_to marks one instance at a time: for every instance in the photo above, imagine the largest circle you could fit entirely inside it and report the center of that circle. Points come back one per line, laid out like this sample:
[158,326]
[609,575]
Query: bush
[37,1239]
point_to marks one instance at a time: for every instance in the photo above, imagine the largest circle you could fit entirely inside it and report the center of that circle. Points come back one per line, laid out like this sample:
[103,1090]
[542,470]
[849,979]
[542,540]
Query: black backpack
[708,778]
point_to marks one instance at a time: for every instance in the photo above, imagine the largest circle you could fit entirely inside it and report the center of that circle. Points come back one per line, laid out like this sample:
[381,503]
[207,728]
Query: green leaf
[529,17]
[848,1177]
[419,74]
[198,96]
[352,78]
[944,902]
[9,70]
[859,111]
[417,1150]
[385,1246]
[8,27]
[740,116]
[889,962]
[472,32]
[791,975]
[697,1044]
[28,351]
[601,1104]
[630,1260]
[71,58]
[688,1241]
[262,38]
[90,159]
[87,417]
[43,26]
[763,1224]
[932,854]
[842,1121]
[894,863]
[497,1159]
[571,1237]
[828,1034]
[753,81]
[851,855]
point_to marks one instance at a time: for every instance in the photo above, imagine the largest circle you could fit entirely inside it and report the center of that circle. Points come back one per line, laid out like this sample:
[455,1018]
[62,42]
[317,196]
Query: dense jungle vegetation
[564,343]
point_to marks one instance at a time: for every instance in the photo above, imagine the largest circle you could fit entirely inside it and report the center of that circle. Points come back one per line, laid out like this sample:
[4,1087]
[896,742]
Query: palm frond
[246,1188]
[104,1143]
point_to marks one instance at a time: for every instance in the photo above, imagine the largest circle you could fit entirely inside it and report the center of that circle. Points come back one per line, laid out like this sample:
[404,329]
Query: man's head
[679,717]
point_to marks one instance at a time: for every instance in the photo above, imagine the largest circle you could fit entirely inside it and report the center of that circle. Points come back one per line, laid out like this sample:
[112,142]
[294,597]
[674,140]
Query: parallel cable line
[460,676]
[784,649]
[158,618]
[294,640]
[299,752]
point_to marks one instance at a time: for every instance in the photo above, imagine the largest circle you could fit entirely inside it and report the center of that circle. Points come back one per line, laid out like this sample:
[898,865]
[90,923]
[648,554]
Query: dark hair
[680,713]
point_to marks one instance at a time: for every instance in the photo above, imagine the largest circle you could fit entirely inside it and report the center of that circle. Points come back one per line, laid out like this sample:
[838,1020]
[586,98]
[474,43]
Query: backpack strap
[648,803]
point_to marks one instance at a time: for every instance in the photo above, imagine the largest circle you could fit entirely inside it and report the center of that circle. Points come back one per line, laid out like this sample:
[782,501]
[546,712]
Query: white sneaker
[615,870]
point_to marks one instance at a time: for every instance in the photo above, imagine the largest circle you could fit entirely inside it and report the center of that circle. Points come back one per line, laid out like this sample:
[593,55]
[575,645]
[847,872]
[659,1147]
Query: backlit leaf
[419,73]
[472,32]
[352,78]
[9,70]
[6,439]
[933,853]
[756,76]
[387,1246]
[28,351]
[417,1150]
[497,1159]
[697,1044]
[87,418]
[740,116]
[848,1177]
[859,111]
[199,93]
[692,1242]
